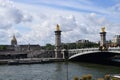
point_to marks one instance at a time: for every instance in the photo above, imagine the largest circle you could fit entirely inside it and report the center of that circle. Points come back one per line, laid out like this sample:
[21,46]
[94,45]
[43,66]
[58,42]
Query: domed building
[14,41]
[17,51]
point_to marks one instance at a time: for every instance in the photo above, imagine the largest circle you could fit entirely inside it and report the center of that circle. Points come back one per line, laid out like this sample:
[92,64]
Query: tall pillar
[58,53]
[103,44]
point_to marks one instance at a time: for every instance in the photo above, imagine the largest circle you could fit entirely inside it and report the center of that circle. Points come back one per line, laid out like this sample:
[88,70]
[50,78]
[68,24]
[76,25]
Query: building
[14,41]
[82,41]
[14,50]
[116,41]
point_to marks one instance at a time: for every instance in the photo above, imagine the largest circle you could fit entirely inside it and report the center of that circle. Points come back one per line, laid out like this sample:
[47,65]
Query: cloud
[70,5]
[10,15]
[3,37]
[73,28]
[115,9]
[42,21]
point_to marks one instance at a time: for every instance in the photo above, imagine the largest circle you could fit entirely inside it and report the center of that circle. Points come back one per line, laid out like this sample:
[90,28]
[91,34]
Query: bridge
[101,54]
[93,54]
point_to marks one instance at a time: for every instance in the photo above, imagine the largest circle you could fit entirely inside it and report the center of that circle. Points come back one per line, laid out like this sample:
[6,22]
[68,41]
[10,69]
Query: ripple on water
[54,71]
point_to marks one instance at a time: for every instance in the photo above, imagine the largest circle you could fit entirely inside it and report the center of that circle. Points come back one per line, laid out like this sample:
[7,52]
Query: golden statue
[103,29]
[58,28]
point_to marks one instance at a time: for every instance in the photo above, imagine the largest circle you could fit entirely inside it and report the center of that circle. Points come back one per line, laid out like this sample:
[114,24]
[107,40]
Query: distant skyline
[34,21]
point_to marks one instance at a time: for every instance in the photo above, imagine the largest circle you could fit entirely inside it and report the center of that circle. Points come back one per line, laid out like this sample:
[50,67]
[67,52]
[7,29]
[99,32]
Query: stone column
[103,44]
[58,53]
[65,54]
[103,39]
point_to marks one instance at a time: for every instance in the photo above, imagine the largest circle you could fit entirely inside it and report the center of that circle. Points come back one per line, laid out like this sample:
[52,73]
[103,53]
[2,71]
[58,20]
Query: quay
[29,61]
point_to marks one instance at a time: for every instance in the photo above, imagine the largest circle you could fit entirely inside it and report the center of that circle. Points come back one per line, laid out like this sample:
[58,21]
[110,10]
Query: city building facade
[82,41]
[116,41]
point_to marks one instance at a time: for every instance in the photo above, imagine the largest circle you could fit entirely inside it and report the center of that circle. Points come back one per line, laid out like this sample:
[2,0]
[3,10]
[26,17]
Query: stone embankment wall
[41,54]
[12,54]
[27,54]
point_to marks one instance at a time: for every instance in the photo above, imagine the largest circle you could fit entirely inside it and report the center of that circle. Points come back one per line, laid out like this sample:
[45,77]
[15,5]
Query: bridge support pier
[58,53]
[103,45]
[65,54]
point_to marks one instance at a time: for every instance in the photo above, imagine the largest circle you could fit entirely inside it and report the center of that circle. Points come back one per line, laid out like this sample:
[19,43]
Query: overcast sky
[34,21]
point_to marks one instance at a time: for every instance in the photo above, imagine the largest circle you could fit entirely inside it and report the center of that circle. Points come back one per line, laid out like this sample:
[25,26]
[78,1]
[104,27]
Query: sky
[34,21]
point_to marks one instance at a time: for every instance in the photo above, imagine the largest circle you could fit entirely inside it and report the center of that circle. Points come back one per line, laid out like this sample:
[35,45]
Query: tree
[49,47]
[3,47]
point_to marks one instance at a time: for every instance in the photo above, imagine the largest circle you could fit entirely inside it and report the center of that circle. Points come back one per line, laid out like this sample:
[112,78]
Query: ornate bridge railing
[76,51]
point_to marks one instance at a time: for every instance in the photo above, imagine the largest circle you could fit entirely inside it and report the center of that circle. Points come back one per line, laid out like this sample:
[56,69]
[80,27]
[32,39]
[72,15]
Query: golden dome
[14,40]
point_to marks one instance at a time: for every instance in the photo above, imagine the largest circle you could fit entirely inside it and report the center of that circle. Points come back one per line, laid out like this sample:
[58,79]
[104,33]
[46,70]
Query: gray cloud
[42,24]
[11,15]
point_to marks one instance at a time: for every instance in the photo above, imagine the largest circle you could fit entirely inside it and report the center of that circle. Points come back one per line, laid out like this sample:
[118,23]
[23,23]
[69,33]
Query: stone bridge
[93,54]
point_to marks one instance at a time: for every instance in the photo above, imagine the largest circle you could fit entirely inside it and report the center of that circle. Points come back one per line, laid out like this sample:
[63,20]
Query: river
[54,71]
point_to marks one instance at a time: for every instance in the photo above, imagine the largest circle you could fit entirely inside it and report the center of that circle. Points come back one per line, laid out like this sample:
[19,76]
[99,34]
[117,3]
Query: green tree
[3,47]
[49,47]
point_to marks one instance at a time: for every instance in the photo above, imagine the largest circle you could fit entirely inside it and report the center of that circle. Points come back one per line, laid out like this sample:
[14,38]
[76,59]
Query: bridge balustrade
[76,51]
[114,49]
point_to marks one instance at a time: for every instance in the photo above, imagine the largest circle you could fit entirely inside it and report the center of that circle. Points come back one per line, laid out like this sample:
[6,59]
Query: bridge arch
[83,53]
[94,56]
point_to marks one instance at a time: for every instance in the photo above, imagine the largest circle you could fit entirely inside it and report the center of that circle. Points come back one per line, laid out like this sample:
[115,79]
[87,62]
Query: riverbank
[49,60]
[29,61]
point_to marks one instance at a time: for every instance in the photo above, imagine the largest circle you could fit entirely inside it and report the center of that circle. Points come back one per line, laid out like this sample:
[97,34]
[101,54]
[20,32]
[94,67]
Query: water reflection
[54,71]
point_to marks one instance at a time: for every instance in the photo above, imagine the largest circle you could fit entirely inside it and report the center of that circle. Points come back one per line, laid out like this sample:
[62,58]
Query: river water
[54,71]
